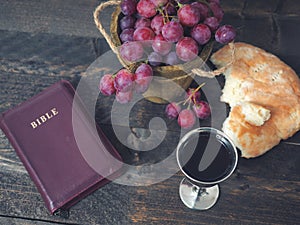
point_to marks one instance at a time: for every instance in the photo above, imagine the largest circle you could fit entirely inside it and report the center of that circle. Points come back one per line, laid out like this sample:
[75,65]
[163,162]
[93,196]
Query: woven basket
[180,74]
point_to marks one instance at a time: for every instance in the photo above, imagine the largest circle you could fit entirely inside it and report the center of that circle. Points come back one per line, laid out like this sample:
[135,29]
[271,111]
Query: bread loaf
[264,95]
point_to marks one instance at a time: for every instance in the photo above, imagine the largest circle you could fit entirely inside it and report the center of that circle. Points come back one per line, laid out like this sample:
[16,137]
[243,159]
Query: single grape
[186,118]
[193,95]
[202,8]
[157,23]
[143,77]
[170,9]
[127,22]
[161,46]
[159,3]
[225,34]
[143,34]
[124,97]
[127,35]
[188,15]
[146,8]
[142,85]
[171,59]
[217,10]
[187,49]
[131,51]
[155,59]
[142,22]
[143,71]
[202,109]
[201,33]
[128,7]
[172,31]
[106,85]
[212,22]
[124,80]
[172,110]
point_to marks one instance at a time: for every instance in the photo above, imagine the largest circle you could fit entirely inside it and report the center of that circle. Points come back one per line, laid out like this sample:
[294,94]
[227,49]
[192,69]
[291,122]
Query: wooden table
[44,41]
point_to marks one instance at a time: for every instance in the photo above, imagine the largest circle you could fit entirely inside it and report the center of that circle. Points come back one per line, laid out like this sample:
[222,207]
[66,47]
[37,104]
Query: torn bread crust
[250,139]
[264,95]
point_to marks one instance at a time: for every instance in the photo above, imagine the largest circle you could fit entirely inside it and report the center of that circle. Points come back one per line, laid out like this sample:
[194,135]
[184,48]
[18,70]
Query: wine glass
[206,156]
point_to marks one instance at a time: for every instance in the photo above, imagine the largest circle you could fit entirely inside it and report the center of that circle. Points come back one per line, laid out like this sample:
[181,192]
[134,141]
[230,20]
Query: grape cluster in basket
[165,32]
[185,24]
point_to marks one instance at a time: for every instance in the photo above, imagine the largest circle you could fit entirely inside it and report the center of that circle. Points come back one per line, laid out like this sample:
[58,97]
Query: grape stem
[189,106]
[179,4]
[165,17]
[192,95]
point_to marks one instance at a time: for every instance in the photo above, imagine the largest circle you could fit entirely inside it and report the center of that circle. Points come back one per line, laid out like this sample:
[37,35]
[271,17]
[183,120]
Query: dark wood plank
[237,204]
[58,17]
[23,221]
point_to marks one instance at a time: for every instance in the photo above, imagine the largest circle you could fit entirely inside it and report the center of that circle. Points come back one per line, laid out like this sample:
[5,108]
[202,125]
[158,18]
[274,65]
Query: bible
[45,132]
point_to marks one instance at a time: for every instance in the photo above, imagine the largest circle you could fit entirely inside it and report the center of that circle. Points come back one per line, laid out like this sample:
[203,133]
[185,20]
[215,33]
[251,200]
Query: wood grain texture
[57,17]
[45,41]
[22,221]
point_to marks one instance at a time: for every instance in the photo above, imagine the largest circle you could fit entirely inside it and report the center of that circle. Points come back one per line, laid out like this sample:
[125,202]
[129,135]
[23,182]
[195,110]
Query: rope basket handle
[100,27]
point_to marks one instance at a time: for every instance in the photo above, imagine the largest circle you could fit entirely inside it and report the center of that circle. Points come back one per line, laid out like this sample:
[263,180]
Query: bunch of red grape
[197,108]
[176,29]
[124,83]
[167,32]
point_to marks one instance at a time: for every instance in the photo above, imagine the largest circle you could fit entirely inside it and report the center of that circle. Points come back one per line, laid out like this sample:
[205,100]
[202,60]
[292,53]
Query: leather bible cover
[41,132]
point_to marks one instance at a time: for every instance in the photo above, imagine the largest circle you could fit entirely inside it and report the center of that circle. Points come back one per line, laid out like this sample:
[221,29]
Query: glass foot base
[194,197]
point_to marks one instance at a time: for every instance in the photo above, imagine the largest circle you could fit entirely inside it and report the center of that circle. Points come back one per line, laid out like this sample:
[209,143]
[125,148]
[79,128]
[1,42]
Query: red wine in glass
[206,156]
